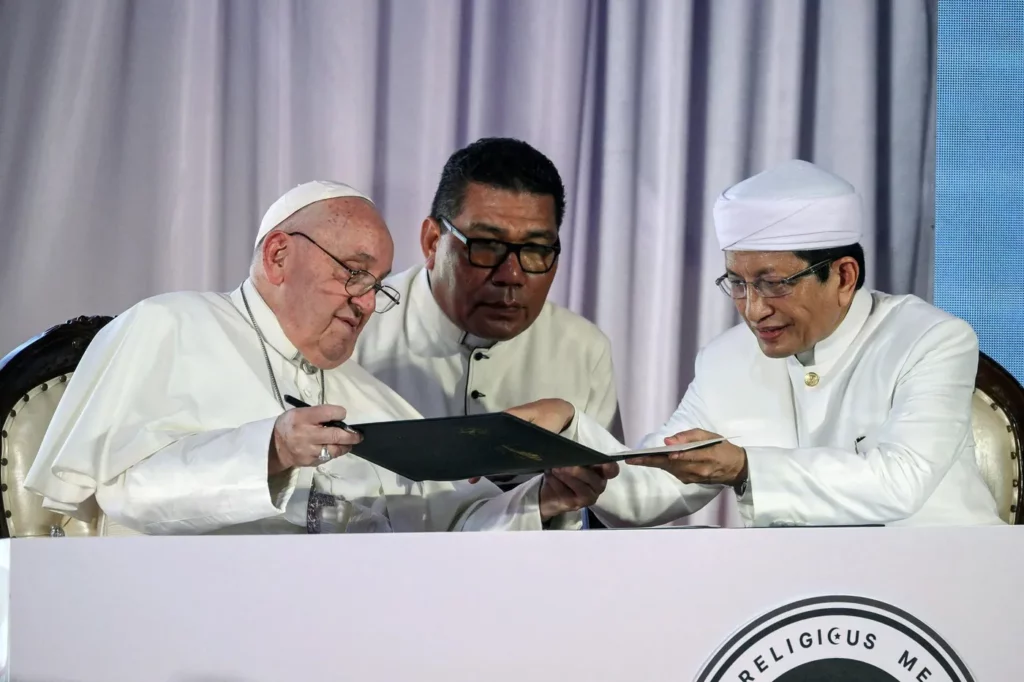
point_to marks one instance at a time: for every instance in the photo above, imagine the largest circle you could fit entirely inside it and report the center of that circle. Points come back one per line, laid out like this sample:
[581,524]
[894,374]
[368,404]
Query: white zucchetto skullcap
[300,197]
[794,206]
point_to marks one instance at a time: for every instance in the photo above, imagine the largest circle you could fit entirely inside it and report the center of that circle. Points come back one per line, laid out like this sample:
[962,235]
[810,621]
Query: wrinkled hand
[723,463]
[573,488]
[299,436]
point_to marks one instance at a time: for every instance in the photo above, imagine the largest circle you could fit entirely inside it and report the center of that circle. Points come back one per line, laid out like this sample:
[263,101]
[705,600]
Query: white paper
[664,449]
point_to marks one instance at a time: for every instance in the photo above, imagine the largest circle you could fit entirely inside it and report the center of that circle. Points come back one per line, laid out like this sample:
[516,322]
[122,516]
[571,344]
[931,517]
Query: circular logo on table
[839,639]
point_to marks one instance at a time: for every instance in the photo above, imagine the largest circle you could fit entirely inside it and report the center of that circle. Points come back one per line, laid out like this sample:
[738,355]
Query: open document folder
[457,448]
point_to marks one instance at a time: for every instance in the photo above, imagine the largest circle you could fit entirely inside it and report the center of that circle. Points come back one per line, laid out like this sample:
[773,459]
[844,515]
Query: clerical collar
[472,342]
[828,350]
[271,329]
[435,326]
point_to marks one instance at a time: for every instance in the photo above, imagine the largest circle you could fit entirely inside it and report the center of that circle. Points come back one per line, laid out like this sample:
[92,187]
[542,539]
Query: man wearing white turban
[841,406]
[852,406]
[175,421]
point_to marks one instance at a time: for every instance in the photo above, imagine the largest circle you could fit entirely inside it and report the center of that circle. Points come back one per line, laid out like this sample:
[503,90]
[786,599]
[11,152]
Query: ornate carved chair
[32,380]
[998,415]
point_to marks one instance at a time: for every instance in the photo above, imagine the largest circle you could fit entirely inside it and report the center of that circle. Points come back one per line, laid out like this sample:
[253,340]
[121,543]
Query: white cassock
[442,371]
[168,419]
[873,426]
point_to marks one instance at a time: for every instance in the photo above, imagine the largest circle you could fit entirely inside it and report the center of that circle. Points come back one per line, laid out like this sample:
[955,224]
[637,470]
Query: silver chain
[316,500]
[266,357]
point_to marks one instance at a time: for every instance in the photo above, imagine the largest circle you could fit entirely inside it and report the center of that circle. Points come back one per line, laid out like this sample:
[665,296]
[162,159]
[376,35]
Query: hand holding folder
[686,456]
[461,448]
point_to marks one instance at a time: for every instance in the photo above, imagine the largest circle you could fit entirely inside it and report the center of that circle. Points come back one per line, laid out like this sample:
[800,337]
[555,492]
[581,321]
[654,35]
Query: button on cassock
[811,379]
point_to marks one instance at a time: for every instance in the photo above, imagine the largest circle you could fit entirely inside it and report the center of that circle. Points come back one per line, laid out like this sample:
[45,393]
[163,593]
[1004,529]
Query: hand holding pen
[332,423]
[309,436]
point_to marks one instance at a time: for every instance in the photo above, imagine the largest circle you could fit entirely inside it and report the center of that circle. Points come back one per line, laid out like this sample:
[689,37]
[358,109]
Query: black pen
[335,423]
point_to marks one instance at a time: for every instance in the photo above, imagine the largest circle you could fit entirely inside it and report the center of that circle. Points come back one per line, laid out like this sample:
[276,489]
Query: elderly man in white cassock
[177,419]
[853,406]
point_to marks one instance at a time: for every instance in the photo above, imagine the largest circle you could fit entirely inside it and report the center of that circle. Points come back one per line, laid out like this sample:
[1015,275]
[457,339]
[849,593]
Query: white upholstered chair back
[32,380]
[998,420]
[23,431]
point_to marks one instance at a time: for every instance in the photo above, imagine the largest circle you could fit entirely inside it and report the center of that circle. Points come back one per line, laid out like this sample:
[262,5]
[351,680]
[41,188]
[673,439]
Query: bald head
[302,268]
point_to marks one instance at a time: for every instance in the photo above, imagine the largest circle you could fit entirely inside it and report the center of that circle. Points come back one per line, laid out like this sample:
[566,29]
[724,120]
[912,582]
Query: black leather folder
[457,448]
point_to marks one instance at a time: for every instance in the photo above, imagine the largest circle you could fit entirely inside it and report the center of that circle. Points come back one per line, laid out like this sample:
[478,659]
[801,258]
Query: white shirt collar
[266,320]
[831,348]
[435,325]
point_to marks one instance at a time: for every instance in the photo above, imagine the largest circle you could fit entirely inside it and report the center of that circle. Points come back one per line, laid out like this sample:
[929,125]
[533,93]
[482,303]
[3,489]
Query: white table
[599,606]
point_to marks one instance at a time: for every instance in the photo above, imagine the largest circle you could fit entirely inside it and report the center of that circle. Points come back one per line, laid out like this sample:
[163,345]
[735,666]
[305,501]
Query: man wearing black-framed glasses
[476,332]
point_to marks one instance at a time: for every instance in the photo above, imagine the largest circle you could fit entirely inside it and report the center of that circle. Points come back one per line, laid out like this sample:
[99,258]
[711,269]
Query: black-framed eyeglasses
[765,287]
[360,282]
[535,259]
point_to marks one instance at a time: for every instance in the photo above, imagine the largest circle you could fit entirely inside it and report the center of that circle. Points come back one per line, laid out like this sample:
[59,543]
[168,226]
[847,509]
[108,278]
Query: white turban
[795,206]
[300,197]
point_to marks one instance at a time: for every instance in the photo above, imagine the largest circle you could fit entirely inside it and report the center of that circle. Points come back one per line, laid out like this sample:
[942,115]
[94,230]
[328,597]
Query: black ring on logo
[950,655]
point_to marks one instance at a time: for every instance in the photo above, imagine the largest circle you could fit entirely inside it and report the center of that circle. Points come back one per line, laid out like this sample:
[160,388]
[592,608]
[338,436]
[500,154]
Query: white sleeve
[517,509]
[128,435]
[200,483]
[639,496]
[897,470]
